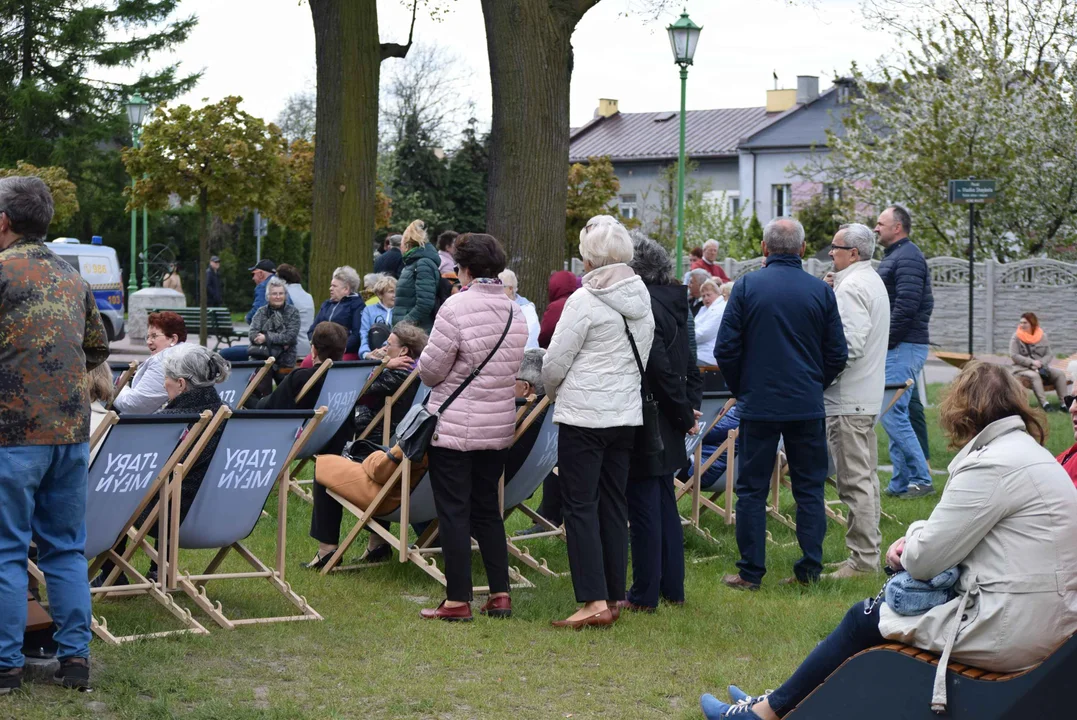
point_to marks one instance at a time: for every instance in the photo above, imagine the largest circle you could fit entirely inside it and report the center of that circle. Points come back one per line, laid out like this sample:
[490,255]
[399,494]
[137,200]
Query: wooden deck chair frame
[255,381]
[699,467]
[296,486]
[121,383]
[142,585]
[405,552]
[194,585]
[385,413]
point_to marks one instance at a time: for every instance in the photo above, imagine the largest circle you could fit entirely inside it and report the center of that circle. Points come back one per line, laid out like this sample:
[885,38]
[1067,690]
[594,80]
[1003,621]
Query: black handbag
[416,430]
[648,435]
[258,352]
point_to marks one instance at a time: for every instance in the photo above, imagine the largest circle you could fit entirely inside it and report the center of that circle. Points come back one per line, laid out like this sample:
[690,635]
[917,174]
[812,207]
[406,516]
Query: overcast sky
[263,50]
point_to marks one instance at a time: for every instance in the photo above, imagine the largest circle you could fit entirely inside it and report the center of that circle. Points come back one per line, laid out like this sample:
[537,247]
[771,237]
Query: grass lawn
[373,658]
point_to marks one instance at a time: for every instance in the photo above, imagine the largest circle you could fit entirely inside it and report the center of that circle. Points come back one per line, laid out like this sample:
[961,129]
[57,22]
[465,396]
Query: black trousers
[657,541]
[593,464]
[465,495]
[550,507]
[326,518]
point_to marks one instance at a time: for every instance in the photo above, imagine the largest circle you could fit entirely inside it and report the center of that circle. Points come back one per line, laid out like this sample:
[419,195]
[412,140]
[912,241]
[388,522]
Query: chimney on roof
[606,108]
[807,89]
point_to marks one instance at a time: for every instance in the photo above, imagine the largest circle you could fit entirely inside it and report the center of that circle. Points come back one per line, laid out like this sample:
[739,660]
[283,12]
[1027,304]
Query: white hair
[508,278]
[699,274]
[710,243]
[347,275]
[860,237]
[784,236]
[199,366]
[713,285]
[605,241]
[277,281]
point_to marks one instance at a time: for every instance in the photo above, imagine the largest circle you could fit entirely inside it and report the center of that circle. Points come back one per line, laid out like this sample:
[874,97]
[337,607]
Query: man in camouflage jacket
[50,335]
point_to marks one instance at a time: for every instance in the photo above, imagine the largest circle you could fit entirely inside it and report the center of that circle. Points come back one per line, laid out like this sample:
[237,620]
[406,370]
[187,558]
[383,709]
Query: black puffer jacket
[195,400]
[908,283]
[671,368]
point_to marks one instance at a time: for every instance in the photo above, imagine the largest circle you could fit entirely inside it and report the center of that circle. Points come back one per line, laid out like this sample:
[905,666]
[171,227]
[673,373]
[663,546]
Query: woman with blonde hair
[416,292]
[1007,521]
[381,311]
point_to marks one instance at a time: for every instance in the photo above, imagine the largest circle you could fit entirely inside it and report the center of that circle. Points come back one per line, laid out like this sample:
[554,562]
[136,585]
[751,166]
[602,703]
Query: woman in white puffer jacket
[591,373]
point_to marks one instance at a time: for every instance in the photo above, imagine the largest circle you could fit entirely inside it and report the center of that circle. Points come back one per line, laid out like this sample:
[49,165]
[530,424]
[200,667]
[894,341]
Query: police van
[100,268]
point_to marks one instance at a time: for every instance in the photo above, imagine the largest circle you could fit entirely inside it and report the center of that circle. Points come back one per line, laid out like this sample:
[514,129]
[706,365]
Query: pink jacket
[465,331]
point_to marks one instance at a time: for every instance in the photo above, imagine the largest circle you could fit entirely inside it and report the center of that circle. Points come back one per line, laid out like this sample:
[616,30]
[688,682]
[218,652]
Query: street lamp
[683,38]
[137,109]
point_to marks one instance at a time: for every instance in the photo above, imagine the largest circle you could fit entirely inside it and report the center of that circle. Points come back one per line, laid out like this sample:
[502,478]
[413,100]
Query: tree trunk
[346,149]
[529,44]
[203,263]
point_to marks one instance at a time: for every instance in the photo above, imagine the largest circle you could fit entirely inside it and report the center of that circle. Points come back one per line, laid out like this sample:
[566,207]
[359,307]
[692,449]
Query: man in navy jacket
[908,282]
[781,344]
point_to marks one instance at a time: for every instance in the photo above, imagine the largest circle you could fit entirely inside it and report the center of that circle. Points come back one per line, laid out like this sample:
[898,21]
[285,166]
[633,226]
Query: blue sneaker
[738,696]
[715,709]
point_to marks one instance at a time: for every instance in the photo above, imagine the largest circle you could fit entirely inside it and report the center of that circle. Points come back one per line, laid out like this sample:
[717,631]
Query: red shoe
[630,606]
[498,607]
[461,613]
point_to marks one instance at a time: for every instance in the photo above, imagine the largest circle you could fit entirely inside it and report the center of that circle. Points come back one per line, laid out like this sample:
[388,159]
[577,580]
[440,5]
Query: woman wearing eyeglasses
[146,393]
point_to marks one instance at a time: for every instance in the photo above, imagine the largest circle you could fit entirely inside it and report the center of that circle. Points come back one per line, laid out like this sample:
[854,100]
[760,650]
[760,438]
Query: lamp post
[137,108]
[683,37]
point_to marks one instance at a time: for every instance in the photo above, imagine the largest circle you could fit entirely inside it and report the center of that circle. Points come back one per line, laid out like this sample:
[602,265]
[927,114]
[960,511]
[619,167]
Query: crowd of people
[621,353]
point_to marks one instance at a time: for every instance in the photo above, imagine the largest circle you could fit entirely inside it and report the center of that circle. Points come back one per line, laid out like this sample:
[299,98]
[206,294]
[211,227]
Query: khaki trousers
[855,450]
[1058,380]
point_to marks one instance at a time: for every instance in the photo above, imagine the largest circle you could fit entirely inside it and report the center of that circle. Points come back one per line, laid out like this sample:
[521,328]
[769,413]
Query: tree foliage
[707,215]
[219,156]
[64,196]
[469,169]
[295,200]
[428,86]
[986,90]
[821,217]
[420,178]
[592,187]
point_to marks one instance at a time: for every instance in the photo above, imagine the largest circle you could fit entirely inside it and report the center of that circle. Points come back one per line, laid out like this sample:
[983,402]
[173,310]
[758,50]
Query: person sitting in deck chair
[405,345]
[714,477]
[529,382]
[327,343]
[1007,521]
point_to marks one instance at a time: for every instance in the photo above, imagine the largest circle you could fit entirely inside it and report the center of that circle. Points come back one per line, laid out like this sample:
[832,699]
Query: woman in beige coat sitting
[1007,520]
[1031,355]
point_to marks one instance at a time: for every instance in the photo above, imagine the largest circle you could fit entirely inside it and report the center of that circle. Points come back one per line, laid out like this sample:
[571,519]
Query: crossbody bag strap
[475,373]
[639,363]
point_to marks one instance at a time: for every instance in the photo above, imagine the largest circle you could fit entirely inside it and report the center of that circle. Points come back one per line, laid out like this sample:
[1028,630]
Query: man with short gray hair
[780,345]
[855,399]
[52,335]
[696,278]
[709,262]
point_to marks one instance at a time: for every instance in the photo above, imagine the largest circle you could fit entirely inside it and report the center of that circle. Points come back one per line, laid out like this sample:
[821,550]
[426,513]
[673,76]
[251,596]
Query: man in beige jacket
[854,401]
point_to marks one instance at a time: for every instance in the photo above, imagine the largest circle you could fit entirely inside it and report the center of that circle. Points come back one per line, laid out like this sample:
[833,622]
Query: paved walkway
[128,350]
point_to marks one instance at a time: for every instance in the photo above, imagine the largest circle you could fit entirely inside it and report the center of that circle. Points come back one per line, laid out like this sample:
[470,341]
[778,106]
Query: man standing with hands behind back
[855,399]
[908,284]
[50,335]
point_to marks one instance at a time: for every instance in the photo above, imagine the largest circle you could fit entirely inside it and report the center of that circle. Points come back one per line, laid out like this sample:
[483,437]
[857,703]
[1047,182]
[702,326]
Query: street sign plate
[972,191]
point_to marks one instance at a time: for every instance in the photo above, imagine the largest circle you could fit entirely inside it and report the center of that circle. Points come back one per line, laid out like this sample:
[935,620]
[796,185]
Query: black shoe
[536,528]
[10,680]
[379,554]
[318,562]
[99,581]
[74,673]
[152,575]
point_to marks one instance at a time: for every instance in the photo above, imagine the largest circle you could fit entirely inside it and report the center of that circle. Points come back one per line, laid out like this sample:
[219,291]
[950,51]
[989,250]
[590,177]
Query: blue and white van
[100,268]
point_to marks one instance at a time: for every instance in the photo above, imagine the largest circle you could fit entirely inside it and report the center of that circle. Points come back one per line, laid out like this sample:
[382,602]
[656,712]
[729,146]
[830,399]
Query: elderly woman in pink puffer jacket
[467,454]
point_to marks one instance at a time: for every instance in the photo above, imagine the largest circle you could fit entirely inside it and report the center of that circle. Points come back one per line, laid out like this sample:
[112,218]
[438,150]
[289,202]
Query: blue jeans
[43,496]
[910,466]
[857,632]
[805,446]
[236,353]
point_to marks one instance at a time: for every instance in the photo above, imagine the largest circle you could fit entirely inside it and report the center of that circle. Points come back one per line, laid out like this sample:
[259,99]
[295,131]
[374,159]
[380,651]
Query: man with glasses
[908,284]
[52,335]
[855,399]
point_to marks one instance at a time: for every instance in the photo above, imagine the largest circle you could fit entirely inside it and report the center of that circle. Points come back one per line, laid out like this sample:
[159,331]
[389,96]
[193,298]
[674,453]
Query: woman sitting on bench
[1007,520]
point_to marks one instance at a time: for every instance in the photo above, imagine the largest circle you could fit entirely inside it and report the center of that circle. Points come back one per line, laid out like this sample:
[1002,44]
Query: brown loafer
[630,606]
[461,613]
[603,618]
[794,581]
[738,583]
[499,607]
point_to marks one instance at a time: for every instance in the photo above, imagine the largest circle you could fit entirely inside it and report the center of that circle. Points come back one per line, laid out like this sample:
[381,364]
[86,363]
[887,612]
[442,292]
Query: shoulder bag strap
[475,373]
[639,363]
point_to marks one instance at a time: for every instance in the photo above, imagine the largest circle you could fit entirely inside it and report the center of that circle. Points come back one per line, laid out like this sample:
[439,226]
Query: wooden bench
[894,681]
[218,323]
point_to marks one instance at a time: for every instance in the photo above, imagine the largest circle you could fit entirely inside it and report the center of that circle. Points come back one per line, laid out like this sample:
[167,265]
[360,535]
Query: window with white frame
[833,192]
[781,200]
[629,206]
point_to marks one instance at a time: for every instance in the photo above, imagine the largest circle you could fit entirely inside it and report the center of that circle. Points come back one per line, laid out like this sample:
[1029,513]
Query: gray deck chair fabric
[539,463]
[231,390]
[131,456]
[343,383]
[118,369]
[421,507]
[712,404]
[249,458]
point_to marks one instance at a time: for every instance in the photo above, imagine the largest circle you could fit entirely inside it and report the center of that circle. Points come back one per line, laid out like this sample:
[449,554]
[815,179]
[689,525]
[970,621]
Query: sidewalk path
[128,350]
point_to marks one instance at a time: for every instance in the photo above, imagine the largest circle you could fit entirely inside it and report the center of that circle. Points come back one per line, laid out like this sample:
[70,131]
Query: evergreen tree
[419,179]
[467,178]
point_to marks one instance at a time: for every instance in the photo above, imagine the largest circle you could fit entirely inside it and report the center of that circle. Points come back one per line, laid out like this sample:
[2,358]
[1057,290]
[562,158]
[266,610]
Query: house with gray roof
[743,154]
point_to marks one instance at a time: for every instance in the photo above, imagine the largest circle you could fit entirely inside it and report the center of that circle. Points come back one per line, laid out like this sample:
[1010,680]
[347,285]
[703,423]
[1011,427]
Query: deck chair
[416,506]
[345,382]
[128,473]
[864,687]
[255,451]
[713,408]
[540,462]
[384,417]
[121,376]
[243,380]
